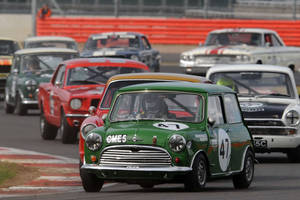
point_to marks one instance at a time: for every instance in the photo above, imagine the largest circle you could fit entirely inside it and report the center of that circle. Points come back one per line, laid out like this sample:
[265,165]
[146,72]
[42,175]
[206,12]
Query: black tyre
[48,131]
[7,107]
[294,155]
[68,133]
[196,180]
[20,108]
[147,185]
[244,179]
[90,182]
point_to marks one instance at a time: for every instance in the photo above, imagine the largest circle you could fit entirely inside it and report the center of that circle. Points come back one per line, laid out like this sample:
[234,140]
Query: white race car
[270,104]
[240,46]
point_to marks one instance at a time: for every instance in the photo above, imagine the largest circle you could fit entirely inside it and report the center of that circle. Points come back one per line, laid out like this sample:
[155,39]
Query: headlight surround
[134,57]
[75,104]
[87,128]
[177,143]
[245,58]
[93,141]
[30,84]
[187,57]
[292,118]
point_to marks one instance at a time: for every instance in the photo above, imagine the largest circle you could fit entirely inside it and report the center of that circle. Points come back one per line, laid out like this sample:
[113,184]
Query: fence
[162,31]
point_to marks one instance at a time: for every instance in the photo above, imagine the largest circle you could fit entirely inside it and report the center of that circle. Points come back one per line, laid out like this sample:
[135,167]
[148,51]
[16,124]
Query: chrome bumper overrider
[142,169]
[26,102]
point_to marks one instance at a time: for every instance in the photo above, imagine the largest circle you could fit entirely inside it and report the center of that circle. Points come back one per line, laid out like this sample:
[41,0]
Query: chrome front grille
[134,156]
[269,127]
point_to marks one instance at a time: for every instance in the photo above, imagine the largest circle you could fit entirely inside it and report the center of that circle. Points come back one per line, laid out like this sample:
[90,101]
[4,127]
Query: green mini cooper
[171,132]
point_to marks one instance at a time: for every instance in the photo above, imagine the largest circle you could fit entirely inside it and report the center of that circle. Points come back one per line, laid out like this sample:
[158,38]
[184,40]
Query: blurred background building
[243,9]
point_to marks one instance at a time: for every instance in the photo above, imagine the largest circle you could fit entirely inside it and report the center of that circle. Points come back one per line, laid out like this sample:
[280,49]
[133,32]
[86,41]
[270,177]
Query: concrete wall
[16,26]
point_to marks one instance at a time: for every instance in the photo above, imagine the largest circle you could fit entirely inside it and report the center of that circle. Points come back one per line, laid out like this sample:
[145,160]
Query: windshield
[7,47]
[112,41]
[58,44]
[96,74]
[42,62]
[171,106]
[235,38]
[113,87]
[258,84]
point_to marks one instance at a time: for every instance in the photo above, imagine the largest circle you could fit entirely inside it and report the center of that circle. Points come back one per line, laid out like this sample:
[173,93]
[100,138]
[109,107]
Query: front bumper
[276,143]
[76,119]
[132,173]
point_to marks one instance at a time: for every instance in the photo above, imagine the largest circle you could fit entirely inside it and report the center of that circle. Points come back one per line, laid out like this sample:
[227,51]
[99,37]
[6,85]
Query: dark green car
[30,67]
[170,132]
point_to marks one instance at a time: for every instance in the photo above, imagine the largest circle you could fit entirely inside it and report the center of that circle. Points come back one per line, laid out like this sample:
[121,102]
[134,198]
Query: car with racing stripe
[240,46]
[270,104]
[170,132]
[130,45]
[76,85]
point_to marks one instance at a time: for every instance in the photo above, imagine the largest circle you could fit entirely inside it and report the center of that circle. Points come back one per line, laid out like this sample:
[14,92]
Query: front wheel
[20,108]
[48,131]
[7,107]
[90,182]
[69,133]
[196,180]
[244,179]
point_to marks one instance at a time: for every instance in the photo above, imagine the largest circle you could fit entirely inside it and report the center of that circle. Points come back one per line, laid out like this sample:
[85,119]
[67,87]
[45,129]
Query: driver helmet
[227,82]
[153,105]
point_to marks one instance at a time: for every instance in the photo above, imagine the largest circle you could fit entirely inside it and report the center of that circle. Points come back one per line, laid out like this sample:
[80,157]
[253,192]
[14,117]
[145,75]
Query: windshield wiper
[272,94]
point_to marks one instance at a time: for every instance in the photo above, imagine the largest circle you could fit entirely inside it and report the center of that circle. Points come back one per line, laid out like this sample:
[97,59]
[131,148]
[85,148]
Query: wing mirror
[58,83]
[211,121]
[104,116]
[92,110]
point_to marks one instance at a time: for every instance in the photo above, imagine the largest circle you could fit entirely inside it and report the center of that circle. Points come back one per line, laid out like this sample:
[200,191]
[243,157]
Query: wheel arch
[198,153]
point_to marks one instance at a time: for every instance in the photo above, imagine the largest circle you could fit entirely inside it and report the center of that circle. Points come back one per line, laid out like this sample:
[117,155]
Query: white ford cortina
[240,46]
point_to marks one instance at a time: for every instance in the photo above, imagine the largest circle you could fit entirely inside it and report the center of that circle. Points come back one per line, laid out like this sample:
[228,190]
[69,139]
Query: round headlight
[134,57]
[292,118]
[93,141]
[75,104]
[177,143]
[87,128]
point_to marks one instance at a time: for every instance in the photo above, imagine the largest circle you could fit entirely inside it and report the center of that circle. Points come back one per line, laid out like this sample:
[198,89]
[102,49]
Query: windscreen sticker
[224,149]
[174,126]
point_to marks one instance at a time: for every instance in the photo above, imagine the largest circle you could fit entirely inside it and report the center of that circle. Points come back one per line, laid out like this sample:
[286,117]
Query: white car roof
[49,38]
[250,30]
[45,50]
[248,67]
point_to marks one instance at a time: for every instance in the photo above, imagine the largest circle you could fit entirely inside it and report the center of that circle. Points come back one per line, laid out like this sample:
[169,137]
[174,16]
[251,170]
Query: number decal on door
[224,149]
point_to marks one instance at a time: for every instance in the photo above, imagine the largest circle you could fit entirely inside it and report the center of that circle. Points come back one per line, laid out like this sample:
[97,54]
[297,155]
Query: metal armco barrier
[162,30]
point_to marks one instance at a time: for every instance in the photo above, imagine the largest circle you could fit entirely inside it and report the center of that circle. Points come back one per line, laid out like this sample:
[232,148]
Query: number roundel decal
[224,149]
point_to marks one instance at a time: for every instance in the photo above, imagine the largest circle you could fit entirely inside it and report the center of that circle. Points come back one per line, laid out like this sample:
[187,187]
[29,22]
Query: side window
[60,76]
[268,39]
[275,41]
[214,109]
[232,110]
[146,44]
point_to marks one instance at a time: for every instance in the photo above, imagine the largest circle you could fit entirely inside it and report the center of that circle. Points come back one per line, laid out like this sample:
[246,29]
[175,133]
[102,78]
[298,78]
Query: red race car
[76,85]
[122,80]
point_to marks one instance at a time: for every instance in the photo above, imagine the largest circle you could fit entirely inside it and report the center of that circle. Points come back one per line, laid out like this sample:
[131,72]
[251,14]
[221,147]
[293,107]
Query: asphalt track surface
[275,178]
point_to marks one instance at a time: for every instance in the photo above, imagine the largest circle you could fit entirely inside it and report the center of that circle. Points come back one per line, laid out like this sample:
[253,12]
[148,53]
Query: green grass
[7,171]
